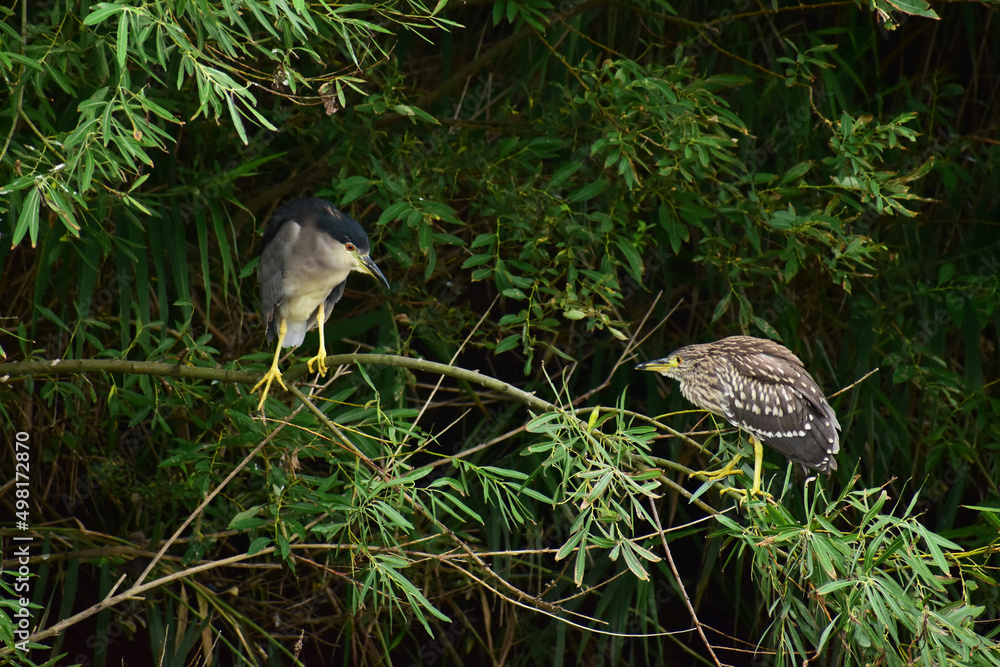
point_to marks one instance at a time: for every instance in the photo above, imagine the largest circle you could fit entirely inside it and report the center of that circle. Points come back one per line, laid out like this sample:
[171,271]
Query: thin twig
[856,382]
[661,322]
[680,584]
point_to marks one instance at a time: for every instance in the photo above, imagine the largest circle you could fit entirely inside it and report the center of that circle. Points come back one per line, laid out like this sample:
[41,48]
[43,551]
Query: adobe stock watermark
[22,540]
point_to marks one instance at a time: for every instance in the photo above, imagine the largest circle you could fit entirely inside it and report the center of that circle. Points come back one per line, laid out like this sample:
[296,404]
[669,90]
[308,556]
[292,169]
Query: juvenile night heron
[761,387]
[309,249]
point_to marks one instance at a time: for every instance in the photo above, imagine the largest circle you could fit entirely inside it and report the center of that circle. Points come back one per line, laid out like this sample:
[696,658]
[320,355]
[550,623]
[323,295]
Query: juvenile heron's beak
[658,365]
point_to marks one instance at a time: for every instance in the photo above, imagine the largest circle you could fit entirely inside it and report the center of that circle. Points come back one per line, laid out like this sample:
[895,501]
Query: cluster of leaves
[888,589]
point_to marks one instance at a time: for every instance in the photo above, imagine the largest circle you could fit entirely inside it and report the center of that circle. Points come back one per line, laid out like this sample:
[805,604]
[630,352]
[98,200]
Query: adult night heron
[309,249]
[761,387]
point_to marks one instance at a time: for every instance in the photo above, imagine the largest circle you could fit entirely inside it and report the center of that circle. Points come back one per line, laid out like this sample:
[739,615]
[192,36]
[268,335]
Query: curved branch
[24,369]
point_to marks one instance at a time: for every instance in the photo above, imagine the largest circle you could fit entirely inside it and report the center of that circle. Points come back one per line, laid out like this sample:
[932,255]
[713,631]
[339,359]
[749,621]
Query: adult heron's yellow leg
[273,373]
[320,357]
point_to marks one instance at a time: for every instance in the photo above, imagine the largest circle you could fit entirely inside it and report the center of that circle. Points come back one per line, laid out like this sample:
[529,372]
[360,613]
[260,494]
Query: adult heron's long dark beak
[367,265]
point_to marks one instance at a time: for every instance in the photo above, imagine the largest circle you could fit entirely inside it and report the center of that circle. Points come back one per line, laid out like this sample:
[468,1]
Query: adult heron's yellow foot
[270,376]
[320,361]
[273,373]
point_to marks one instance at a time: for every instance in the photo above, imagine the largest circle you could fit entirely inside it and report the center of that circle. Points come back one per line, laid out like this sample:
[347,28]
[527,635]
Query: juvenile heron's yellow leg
[273,373]
[320,358]
[758,461]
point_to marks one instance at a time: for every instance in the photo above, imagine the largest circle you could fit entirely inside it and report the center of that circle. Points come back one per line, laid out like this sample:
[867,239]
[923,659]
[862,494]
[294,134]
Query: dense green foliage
[555,192]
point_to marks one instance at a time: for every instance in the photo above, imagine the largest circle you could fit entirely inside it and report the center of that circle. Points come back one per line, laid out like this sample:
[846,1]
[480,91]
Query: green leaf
[477,260]
[633,563]
[834,586]
[589,191]
[563,174]
[258,545]
[122,43]
[101,12]
[796,172]
[729,80]
[237,119]
[567,548]
[914,7]
[485,239]
[396,211]
[353,188]
[440,211]
[508,343]
[247,519]
[632,257]
[722,307]
[27,221]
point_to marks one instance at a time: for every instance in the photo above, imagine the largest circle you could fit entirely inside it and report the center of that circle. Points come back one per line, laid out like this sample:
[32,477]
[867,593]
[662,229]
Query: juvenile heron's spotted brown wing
[763,388]
[770,394]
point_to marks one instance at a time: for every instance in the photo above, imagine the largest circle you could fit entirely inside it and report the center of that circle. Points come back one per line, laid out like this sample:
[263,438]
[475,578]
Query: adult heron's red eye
[350,247]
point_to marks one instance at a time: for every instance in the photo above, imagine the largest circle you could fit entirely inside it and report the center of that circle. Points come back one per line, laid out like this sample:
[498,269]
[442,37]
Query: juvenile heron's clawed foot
[732,468]
[722,473]
[269,377]
[320,361]
[746,494]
